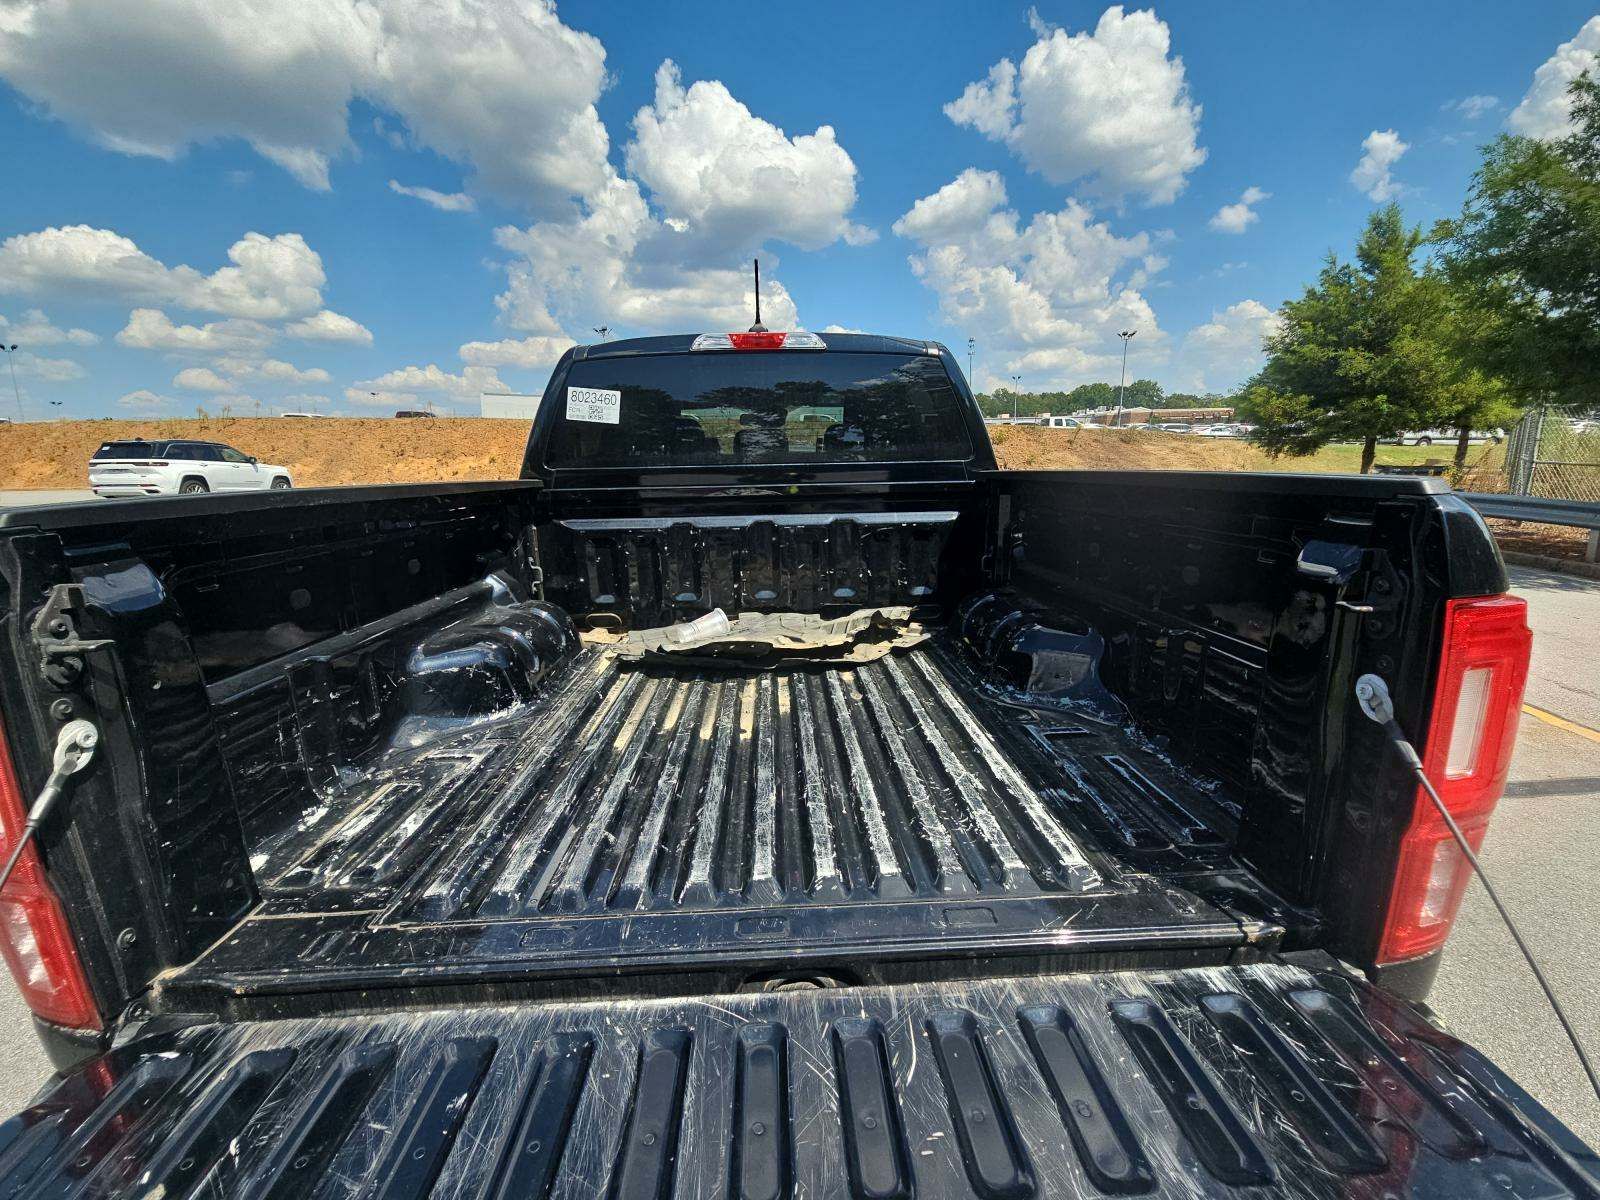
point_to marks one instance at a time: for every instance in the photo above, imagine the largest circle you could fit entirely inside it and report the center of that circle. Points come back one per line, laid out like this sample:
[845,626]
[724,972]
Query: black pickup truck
[1018,835]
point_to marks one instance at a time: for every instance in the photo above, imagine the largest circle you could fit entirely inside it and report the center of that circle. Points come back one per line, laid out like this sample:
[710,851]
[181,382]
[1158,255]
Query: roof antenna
[758,327]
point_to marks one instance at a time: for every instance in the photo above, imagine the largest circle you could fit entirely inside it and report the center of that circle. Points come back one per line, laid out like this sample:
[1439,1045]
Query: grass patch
[1347,457]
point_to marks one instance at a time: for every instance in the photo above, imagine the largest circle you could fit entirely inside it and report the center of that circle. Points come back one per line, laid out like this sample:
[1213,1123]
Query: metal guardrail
[1542,510]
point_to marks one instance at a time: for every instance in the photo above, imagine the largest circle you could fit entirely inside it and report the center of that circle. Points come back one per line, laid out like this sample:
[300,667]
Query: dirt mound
[338,450]
[318,452]
[1033,448]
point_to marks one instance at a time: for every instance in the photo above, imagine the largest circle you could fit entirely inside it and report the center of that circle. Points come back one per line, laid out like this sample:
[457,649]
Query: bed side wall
[1237,612]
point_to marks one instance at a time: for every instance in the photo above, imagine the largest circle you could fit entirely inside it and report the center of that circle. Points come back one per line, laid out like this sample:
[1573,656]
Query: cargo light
[759,341]
[34,938]
[1483,665]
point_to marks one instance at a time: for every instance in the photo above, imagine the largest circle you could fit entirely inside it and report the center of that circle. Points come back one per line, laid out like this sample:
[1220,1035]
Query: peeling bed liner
[1265,1080]
[639,816]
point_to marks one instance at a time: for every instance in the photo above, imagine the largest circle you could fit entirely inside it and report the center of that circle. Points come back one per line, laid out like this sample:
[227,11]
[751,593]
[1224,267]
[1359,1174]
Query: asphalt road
[1543,853]
[44,496]
[1541,850]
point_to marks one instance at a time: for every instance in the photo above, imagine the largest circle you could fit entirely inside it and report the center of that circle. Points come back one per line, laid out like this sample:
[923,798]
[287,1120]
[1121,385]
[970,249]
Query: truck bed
[1262,1081]
[637,809]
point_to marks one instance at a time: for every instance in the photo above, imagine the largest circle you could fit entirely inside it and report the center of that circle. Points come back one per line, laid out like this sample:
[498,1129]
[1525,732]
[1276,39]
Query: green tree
[1143,393]
[1092,395]
[1346,363]
[1442,345]
[1190,400]
[1526,251]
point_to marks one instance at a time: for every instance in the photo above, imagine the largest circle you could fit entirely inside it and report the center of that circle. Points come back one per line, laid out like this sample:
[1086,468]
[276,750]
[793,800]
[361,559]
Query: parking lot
[1541,851]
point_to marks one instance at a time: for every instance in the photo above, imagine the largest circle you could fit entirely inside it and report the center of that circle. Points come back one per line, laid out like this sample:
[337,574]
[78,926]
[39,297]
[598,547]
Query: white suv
[1427,437]
[161,468]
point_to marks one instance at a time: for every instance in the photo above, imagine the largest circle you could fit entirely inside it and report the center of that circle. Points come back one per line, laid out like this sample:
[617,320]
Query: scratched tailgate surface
[1252,1081]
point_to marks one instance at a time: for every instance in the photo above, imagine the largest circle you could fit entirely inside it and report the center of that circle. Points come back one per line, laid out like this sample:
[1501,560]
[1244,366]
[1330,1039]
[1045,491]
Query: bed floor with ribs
[638,790]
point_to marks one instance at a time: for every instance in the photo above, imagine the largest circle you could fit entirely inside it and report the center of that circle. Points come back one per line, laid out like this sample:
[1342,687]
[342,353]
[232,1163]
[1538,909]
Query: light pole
[11,357]
[971,346]
[1127,336]
[1016,405]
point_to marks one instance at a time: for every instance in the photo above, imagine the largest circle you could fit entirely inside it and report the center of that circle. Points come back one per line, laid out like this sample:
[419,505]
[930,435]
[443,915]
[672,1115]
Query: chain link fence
[1553,455]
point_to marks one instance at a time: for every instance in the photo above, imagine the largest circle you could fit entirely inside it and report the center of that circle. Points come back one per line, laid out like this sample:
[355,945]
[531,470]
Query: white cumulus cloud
[499,85]
[270,277]
[33,328]
[1044,300]
[961,206]
[406,382]
[1111,107]
[1373,175]
[1221,353]
[201,379]
[272,369]
[731,179]
[616,264]
[530,352]
[1545,111]
[1236,218]
[152,329]
[49,370]
[328,326]
[1473,107]
[443,201]
[144,398]
[668,246]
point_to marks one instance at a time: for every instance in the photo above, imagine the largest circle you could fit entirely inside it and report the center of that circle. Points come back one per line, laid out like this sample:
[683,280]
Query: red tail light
[759,341]
[1478,697]
[34,938]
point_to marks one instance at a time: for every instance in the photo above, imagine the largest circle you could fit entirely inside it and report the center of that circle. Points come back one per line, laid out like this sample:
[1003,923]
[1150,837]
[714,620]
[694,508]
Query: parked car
[1062,423]
[450,839]
[156,468]
[1427,437]
[412,412]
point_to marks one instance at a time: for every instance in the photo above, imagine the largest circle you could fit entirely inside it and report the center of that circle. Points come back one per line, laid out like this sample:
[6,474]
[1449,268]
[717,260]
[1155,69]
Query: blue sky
[199,206]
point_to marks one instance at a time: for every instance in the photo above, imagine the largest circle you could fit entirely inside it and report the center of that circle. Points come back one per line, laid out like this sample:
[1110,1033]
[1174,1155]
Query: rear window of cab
[130,450]
[730,408]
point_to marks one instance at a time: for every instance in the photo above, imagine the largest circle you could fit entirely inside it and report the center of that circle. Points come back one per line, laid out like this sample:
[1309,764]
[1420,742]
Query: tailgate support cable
[75,748]
[1373,696]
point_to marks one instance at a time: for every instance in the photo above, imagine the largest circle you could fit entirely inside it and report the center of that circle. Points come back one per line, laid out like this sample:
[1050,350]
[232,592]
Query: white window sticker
[594,404]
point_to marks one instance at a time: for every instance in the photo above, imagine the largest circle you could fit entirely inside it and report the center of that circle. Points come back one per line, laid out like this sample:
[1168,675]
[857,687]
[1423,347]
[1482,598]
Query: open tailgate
[1267,1078]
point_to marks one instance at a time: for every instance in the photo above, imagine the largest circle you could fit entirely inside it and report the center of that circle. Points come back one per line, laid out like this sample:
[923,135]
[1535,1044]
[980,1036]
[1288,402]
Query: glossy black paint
[781,480]
[1264,1081]
[1162,660]
[322,631]
[68,1048]
[149,854]
[644,572]
[1237,612]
